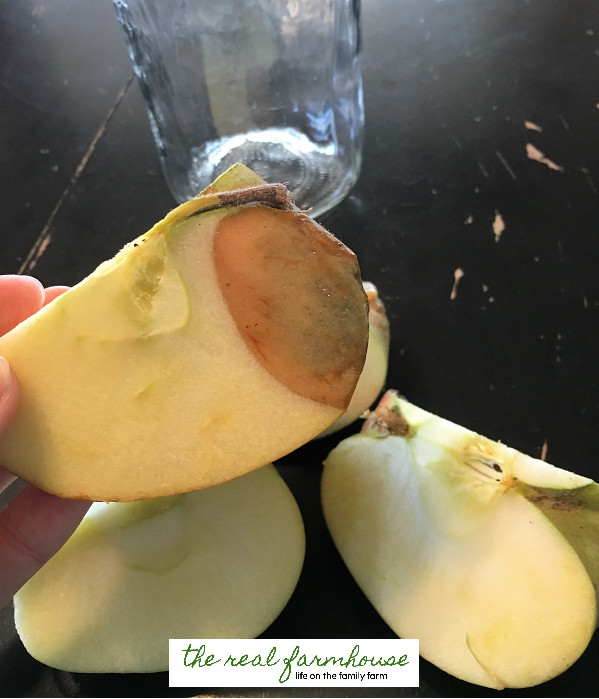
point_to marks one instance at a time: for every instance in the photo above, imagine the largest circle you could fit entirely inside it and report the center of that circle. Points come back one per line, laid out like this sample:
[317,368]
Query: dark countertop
[481,160]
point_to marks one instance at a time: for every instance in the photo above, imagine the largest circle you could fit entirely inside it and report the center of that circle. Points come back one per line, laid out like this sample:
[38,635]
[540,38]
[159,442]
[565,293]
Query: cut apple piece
[372,379]
[228,335]
[453,547]
[217,563]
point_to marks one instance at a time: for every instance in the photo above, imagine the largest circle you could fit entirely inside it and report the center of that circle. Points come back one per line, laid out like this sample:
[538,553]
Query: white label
[286,663]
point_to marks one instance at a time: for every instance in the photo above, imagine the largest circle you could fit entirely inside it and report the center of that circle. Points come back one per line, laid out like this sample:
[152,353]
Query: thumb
[8,394]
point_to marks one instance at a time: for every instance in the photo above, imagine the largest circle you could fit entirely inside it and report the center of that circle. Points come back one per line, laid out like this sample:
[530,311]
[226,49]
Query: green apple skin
[373,376]
[575,512]
[445,532]
[217,563]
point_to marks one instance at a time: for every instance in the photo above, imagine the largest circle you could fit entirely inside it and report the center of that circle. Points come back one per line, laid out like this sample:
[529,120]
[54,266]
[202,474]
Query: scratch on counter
[457,275]
[498,226]
[543,456]
[587,175]
[585,301]
[506,165]
[44,238]
[481,167]
[532,126]
[566,125]
[535,154]
[457,142]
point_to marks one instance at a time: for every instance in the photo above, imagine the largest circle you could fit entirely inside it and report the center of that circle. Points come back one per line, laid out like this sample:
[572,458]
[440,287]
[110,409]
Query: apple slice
[454,539]
[216,563]
[231,333]
[372,379]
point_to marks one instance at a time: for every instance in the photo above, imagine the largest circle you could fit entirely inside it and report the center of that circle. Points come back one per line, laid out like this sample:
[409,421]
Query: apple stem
[274,195]
[386,419]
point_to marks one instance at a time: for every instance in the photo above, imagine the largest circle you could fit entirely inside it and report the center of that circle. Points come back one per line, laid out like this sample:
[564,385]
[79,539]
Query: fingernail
[5,377]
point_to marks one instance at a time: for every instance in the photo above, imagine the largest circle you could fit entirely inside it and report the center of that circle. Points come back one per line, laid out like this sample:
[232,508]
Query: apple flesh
[154,375]
[459,541]
[372,379]
[216,563]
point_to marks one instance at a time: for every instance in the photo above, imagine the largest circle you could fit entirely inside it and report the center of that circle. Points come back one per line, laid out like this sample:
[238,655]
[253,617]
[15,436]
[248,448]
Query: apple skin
[373,376]
[447,534]
[153,375]
[217,563]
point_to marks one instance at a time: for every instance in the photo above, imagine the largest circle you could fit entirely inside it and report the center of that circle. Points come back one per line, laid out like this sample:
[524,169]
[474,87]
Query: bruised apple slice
[372,379]
[217,563]
[231,333]
[456,541]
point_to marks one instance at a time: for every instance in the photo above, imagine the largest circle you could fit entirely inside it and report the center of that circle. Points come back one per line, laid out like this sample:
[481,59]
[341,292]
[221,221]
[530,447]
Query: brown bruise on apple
[138,383]
[295,295]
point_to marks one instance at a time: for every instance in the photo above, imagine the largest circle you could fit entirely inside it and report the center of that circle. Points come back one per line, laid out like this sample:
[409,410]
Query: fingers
[6,478]
[32,528]
[51,292]
[20,297]
[35,525]
[8,394]
[8,404]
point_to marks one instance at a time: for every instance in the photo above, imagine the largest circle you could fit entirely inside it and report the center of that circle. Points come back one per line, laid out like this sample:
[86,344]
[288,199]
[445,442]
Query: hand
[35,524]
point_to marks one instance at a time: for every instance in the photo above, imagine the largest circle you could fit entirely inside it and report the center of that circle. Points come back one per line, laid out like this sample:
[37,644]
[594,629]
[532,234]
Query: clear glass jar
[275,84]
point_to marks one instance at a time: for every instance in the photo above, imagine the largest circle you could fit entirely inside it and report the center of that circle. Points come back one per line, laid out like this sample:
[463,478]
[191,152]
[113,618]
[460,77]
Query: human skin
[35,524]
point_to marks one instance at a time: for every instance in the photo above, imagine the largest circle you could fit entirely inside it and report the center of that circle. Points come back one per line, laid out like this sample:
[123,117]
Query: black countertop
[476,214]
